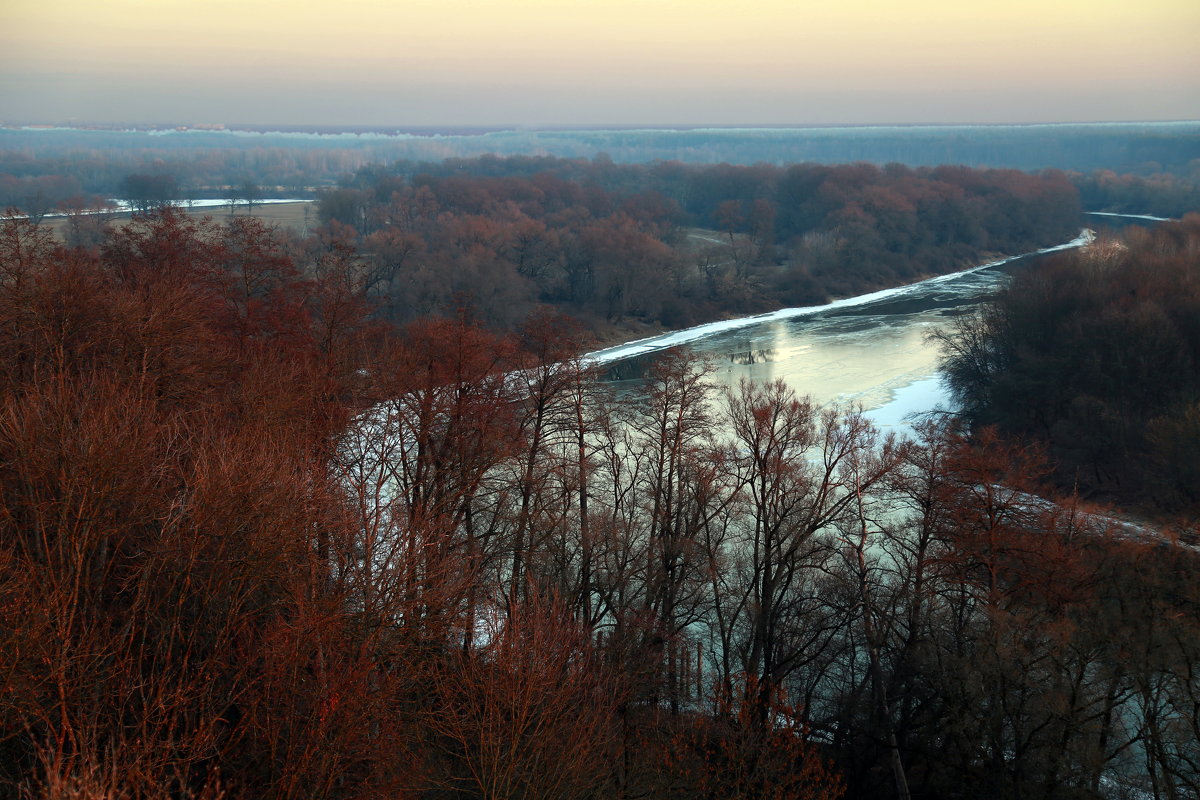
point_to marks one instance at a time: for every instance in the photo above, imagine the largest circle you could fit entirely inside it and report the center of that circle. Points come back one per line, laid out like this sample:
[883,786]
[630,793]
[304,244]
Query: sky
[598,62]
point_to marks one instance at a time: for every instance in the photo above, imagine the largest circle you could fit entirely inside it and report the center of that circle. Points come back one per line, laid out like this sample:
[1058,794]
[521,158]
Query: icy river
[870,351]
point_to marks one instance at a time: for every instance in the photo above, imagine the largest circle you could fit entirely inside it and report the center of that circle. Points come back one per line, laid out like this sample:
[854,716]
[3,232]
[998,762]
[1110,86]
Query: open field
[300,215]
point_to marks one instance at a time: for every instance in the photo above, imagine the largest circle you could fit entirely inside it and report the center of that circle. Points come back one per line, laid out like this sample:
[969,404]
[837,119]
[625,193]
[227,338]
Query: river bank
[642,338]
[664,340]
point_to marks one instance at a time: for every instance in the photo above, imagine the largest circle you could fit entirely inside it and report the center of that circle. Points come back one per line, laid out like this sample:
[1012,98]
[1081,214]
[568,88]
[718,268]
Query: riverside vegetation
[260,540]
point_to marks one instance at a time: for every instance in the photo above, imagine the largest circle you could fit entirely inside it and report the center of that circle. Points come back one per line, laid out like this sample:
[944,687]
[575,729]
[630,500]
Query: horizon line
[485,128]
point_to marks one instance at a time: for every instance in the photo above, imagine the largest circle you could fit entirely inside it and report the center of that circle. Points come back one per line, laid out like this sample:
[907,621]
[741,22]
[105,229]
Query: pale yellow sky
[621,62]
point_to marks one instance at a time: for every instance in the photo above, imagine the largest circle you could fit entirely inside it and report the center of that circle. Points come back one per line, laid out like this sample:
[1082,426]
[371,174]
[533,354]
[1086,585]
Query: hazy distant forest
[346,514]
[44,167]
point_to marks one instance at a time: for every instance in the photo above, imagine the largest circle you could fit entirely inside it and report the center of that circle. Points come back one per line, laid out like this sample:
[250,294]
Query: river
[870,351]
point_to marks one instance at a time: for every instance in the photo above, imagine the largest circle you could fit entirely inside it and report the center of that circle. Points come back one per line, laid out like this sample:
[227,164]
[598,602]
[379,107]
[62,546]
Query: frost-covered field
[117,206]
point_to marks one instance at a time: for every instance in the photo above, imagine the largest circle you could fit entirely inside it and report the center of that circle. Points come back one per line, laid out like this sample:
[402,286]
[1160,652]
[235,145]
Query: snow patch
[123,207]
[1146,217]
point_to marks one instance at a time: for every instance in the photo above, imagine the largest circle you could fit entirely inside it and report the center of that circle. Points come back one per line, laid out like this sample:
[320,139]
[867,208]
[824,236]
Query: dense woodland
[1096,354]
[663,245]
[609,243]
[257,541]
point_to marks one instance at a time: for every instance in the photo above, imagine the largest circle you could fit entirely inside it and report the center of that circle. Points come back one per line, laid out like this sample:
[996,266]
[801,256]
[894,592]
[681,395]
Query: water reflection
[748,357]
[873,352]
[860,354]
[835,359]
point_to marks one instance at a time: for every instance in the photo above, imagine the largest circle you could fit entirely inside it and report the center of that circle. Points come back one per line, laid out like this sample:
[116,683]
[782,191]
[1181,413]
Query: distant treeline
[1097,354]
[204,161]
[673,244]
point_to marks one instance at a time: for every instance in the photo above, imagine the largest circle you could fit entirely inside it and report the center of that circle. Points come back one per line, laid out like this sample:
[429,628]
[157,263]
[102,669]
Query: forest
[301,159]
[670,245]
[263,536]
[627,248]
[1096,355]
[1135,168]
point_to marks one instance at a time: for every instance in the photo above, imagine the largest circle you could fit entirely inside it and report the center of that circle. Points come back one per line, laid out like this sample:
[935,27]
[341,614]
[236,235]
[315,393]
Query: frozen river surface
[871,351]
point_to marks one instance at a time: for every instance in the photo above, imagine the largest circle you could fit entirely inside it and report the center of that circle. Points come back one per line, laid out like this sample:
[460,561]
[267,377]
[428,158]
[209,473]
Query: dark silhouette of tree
[147,192]
[1097,354]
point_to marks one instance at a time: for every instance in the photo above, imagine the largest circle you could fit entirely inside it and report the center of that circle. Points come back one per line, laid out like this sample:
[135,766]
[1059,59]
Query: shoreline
[612,342]
[661,341]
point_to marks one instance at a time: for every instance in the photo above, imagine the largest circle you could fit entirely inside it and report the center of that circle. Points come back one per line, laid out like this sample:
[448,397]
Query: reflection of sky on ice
[911,401]
[869,351]
[882,363]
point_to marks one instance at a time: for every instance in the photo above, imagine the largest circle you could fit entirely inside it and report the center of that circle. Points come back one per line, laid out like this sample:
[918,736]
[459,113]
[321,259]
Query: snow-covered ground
[1146,217]
[122,206]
